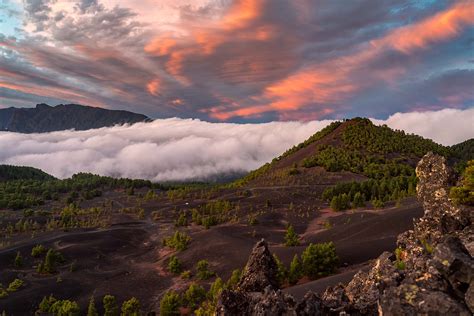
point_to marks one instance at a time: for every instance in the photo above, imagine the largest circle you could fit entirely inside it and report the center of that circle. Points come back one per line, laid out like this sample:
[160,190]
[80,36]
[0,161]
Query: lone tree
[291,238]
[110,306]
[49,262]
[319,260]
[194,295]
[18,260]
[169,304]
[296,270]
[174,265]
[91,310]
[203,272]
[282,273]
[131,307]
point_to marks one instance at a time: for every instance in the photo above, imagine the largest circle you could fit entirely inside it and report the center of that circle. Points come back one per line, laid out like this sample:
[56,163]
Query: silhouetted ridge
[44,118]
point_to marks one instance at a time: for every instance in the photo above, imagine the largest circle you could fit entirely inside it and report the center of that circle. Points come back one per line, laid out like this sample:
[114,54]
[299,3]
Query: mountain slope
[8,173]
[464,150]
[349,150]
[44,118]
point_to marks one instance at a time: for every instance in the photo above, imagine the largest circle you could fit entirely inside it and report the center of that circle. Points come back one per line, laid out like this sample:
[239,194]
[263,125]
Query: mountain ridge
[45,118]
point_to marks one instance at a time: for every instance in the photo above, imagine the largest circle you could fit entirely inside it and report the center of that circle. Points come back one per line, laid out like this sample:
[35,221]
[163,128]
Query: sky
[242,61]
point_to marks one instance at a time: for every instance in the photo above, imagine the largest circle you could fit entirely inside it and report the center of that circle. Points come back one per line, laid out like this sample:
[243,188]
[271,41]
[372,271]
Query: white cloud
[164,150]
[178,149]
[447,127]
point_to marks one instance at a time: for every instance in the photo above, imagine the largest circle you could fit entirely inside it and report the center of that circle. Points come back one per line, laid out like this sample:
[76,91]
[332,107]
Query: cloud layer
[239,60]
[180,149]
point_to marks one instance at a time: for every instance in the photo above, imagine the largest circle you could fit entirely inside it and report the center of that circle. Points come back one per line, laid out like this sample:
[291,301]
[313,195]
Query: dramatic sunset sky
[239,60]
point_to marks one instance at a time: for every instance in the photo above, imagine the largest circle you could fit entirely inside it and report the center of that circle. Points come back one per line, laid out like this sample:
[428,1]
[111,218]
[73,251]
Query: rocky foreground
[430,273]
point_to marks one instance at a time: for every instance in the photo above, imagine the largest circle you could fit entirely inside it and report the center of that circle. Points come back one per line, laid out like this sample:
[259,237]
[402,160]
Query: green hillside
[8,173]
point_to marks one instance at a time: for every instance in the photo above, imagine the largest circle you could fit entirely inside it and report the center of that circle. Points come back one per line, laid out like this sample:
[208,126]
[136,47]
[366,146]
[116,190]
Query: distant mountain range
[44,118]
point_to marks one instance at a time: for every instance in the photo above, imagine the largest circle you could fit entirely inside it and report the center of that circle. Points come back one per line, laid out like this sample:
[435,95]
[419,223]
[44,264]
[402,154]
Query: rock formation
[431,272]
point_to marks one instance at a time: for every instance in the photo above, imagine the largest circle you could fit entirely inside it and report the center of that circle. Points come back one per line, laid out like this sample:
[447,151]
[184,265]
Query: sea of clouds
[184,149]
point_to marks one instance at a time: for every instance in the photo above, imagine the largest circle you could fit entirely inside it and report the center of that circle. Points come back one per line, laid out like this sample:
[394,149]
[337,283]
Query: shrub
[216,288]
[65,308]
[110,305]
[186,275]
[46,303]
[194,295]
[169,304]
[174,265]
[179,241]
[378,203]
[291,238]
[234,279]
[15,285]
[37,251]
[203,272]
[3,292]
[131,307]
[181,220]
[253,220]
[319,259]
[399,256]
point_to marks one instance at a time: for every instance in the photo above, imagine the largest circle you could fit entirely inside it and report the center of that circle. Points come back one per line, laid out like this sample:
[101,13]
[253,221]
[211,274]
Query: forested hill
[8,173]
[464,150]
[356,146]
[44,118]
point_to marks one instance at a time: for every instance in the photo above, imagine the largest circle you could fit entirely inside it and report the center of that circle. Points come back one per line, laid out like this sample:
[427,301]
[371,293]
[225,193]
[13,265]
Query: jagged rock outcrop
[261,270]
[432,272]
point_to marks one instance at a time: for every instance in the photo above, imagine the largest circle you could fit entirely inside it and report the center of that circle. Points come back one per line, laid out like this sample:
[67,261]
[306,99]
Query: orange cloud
[203,41]
[177,102]
[153,87]
[441,26]
[242,13]
[333,81]
[161,46]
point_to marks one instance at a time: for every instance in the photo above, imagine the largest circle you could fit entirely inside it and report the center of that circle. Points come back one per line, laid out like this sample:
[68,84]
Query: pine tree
[131,307]
[110,306]
[91,310]
[169,304]
[194,295]
[49,262]
[296,270]
[216,289]
[319,259]
[282,273]
[343,200]
[18,260]
[234,279]
[40,267]
[335,203]
[291,238]
[358,201]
